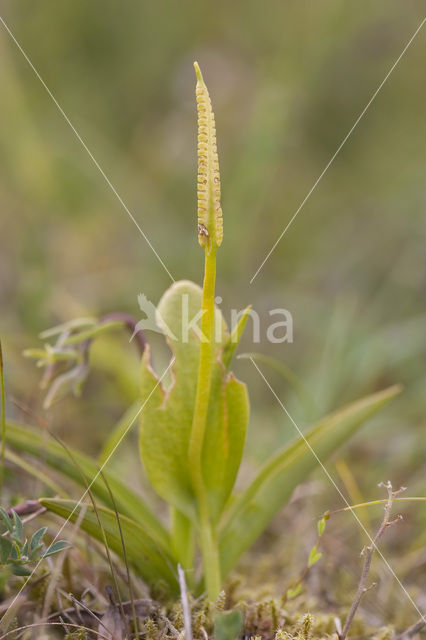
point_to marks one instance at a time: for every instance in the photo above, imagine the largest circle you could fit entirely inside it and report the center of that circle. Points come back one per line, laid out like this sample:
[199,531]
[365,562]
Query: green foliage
[314,556]
[166,421]
[69,350]
[152,562]
[142,532]
[228,625]
[19,554]
[321,525]
[293,592]
[252,511]
[128,501]
[192,431]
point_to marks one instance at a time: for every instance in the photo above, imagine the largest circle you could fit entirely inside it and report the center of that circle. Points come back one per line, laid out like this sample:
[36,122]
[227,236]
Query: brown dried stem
[411,631]
[368,553]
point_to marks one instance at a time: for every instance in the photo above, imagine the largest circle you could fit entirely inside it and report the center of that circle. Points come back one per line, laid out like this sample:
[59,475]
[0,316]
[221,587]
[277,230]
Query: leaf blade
[252,511]
[5,549]
[151,562]
[166,422]
[56,547]
[128,501]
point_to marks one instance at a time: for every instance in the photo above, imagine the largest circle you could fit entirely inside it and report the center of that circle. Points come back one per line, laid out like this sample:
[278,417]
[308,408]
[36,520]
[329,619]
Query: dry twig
[185,604]
[29,507]
[368,553]
[411,631]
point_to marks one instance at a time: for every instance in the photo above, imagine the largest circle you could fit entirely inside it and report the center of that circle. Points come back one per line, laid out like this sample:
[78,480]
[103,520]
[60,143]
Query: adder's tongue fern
[210,234]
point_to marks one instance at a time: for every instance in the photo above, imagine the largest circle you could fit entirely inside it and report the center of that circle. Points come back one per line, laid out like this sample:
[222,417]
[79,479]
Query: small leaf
[314,556]
[21,570]
[6,520]
[235,337]
[19,527]
[321,526]
[56,547]
[227,626]
[24,550]
[5,549]
[37,538]
[293,592]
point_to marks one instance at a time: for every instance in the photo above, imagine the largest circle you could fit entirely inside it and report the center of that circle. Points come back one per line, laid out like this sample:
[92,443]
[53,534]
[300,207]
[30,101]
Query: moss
[80,634]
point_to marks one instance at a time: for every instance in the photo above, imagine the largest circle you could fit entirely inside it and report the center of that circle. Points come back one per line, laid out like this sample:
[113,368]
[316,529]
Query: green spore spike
[210,223]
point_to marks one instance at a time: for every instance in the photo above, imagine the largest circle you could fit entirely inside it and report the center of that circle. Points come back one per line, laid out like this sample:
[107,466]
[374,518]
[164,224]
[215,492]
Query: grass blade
[151,563]
[372,503]
[35,472]
[293,380]
[277,479]
[119,431]
[128,501]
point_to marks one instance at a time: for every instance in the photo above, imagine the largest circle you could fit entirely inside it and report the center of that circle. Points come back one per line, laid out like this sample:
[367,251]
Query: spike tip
[210,224]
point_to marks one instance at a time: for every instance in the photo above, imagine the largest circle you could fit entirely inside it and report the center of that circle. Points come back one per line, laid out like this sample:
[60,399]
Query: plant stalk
[182,539]
[207,534]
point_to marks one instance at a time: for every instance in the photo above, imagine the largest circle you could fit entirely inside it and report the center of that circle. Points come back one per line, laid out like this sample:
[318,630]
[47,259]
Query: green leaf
[56,547]
[36,543]
[6,520]
[21,570]
[35,472]
[277,479]
[5,549]
[237,332]
[166,421]
[127,501]
[151,562]
[314,556]
[293,592]
[24,550]
[37,538]
[228,625]
[225,438]
[321,525]
[19,527]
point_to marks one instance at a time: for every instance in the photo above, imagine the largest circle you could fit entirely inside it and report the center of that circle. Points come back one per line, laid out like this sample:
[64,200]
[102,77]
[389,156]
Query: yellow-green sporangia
[210,223]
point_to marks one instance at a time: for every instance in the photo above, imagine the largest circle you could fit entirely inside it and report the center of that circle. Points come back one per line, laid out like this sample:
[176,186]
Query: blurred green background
[288,80]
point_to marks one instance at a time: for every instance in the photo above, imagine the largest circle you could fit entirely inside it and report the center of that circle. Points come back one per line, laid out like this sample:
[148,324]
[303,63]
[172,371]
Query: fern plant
[192,431]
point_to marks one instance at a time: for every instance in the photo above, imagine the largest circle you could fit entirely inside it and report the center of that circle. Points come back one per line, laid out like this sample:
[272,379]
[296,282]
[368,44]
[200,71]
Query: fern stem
[182,540]
[207,534]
